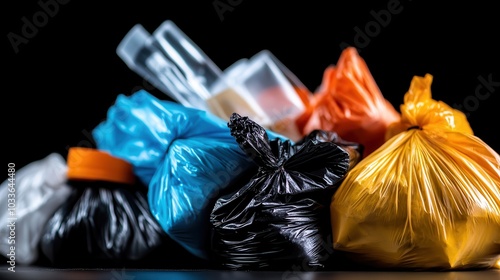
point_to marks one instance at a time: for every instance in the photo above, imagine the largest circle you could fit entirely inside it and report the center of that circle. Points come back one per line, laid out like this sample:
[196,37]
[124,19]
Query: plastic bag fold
[186,156]
[429,198]
[280,217]
[106,221]
[350,103]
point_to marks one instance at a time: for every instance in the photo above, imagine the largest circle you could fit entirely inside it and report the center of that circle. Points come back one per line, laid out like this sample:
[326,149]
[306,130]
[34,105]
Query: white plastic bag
[39,189]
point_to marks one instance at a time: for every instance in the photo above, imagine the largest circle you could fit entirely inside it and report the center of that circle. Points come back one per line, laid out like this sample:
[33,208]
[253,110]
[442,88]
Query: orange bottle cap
[94,164]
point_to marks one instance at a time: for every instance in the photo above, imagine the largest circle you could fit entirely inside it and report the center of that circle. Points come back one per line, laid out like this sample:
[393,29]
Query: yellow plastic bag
[429,198]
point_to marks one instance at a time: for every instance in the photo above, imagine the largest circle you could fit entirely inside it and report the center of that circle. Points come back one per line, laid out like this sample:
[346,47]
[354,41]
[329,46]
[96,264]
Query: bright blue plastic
[186,156]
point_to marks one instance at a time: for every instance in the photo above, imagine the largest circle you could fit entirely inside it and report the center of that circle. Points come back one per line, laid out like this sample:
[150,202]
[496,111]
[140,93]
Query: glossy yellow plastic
[429,198]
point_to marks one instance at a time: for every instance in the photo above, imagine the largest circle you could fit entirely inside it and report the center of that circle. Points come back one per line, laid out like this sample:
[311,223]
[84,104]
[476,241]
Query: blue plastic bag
[186,156]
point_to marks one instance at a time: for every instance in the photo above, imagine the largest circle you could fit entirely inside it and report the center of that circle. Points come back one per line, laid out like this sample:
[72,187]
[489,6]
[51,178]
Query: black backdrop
[62,76]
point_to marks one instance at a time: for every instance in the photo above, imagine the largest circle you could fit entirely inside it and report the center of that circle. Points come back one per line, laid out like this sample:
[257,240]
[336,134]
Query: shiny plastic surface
[141,128]
[39,189]
[280,216]
[202,75]
[429,198]
[198,69]
[143,54]
[350,103]
[185,156]
[355,150]
[102,224]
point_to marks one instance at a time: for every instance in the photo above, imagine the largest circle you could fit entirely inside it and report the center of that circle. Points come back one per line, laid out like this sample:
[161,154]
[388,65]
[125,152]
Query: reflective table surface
[136,274]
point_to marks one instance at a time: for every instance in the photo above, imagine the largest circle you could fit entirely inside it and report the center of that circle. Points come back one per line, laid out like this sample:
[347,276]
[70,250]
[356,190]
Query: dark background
[63,79]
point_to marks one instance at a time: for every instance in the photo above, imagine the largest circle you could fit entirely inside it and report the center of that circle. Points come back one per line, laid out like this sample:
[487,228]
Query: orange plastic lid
[94,164]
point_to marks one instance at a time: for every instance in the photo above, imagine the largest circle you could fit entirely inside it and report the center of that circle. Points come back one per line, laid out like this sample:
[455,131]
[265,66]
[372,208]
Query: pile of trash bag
[246,168]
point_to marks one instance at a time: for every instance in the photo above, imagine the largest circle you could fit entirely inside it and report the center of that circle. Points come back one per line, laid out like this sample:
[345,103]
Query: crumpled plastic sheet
[280,217]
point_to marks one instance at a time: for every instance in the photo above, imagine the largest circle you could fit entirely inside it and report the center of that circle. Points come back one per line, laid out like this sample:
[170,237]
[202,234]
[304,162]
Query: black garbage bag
[281,216]
[106,221]
[354,149]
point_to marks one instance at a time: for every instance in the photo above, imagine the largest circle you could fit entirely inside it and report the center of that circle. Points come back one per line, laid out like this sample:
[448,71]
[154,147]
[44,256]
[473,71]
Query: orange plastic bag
[429,198]
[350,103]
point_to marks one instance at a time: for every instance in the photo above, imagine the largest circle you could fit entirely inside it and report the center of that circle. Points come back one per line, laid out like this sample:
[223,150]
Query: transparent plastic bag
[275,90]
[144,55]
[172,62]
[429,198]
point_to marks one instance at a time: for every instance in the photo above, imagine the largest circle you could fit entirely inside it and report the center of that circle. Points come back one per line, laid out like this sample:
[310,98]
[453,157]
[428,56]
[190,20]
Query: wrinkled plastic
[141,129]
[39,189]
[350,103]
[102,224]
[187,157]
[281,216]
[429,198]
[355,150]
